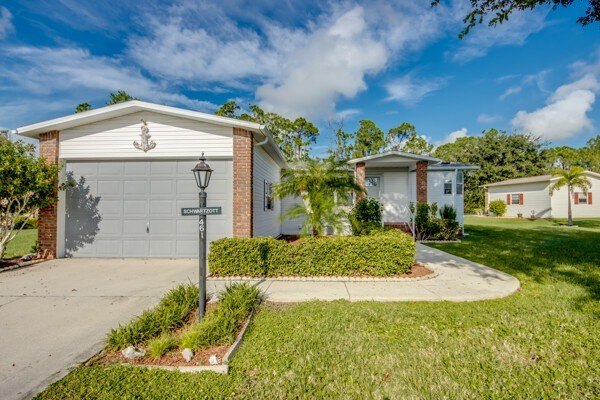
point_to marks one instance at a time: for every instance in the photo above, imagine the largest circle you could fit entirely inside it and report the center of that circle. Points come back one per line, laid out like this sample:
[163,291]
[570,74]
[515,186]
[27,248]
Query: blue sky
[390,63]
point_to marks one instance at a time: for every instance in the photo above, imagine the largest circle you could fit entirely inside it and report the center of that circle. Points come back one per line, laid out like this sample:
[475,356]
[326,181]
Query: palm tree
[323,186]
[573,177]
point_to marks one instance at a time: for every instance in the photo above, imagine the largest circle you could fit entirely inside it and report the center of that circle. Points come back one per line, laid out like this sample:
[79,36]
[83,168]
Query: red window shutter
[521,199]
[576,197]
[589,197]
[507,199]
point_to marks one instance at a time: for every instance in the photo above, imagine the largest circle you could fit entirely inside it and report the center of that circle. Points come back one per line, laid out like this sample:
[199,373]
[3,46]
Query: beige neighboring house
[532,195]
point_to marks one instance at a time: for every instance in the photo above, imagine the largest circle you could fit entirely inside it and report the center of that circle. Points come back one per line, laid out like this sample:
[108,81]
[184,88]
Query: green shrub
[383,253]
[366,216]
[161,345]
[30,223]
[429,227]
[448,212]
[497,207]
[171,313]
[221,325]
[240,256]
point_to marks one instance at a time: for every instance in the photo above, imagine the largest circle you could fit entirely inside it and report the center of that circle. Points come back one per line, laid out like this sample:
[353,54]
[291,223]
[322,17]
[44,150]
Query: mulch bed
[416,271]
[173,358]
[9,264]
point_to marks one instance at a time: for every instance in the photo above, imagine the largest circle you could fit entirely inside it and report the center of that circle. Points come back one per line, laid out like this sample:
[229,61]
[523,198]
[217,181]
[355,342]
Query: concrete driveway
[56,314]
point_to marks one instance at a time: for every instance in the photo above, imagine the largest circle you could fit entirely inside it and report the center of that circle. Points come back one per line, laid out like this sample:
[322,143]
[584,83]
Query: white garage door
[133,208]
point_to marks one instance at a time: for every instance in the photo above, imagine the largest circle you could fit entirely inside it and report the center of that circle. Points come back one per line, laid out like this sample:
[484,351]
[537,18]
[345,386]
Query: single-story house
[129,167]
[532,196]
[396,179]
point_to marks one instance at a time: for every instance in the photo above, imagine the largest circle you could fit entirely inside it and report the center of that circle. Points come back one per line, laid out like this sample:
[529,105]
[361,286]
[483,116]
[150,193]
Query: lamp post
[202,173]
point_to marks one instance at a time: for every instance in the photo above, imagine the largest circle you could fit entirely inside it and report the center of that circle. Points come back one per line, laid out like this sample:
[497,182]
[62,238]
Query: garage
[133,208]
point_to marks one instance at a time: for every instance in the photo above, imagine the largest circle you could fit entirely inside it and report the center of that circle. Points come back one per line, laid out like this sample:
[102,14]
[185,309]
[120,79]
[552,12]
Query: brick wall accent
[360,173]
[242,182]
[422,181]
[48,216]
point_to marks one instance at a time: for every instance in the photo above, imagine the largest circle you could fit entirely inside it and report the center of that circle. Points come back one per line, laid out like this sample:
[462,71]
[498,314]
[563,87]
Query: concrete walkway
[457,279]
[56,314]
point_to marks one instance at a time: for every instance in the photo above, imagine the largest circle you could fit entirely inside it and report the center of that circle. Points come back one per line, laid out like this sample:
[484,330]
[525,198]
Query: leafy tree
[417,144]
[591,154]
[563,157]
[27,183]
[574,177]
[292,136]
[119,97]
[495,12]
[228,109]
[344,147]
[83,107]
[369,139]
[500,156]
[324,187]
[396,137]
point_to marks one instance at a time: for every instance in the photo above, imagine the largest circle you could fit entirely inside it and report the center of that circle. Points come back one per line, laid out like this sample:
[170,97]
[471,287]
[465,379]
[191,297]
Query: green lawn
[22,244]
[542,342]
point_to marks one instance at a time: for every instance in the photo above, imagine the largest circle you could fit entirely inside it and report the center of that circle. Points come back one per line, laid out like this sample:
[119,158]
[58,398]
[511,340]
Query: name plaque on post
[201,211]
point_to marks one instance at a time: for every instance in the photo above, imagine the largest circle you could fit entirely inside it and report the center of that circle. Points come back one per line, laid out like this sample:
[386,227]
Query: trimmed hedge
[386,253]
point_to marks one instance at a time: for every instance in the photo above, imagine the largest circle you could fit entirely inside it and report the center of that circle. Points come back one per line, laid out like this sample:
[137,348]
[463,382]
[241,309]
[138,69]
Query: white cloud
[347,113]
[452,136]
[409,90]
[332,64]
[6,25]
[566,111]
[45,71]
[514,31]
[488,118]
[537,79]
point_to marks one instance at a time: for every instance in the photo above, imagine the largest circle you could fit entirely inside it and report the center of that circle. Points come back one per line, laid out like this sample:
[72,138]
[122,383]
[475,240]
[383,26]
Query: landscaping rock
[187,354]
[132,352]
[213,360]
[28,257]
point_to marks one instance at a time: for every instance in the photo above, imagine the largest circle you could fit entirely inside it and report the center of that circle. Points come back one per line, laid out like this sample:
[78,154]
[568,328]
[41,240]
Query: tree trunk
[569,216]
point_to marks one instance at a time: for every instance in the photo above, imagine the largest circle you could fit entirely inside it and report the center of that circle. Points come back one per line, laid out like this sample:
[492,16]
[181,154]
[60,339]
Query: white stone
[132,352]
[187,354]
[213,360]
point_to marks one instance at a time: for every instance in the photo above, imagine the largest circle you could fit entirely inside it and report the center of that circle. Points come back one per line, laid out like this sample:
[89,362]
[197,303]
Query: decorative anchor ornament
[146,144]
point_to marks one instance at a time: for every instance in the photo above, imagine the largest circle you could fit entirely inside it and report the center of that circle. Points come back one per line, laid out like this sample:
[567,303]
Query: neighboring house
[127,197]
[397,179]
[532,195]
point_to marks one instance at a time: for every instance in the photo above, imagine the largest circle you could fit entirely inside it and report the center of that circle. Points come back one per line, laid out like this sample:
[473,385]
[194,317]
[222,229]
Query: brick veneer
[242,182]
[422,181]
[48,216]
[360,173]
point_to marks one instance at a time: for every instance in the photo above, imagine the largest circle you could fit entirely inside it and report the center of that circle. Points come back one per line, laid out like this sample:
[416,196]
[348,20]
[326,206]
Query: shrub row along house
[533,196]
[129,167]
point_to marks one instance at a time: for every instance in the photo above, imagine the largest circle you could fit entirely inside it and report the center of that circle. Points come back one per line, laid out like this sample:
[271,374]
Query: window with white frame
[269,203]
[582,198]
[373,186]
[448,183]
[515,199]
[459,182]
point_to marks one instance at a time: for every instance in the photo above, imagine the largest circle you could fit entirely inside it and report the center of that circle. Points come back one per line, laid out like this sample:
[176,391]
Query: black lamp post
[202,173]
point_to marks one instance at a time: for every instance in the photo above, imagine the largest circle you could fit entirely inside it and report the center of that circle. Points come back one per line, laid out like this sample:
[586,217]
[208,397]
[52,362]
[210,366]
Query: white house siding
[560,205]
[290,226]
[435,192]
[175,137]
[266,222]
[536,197]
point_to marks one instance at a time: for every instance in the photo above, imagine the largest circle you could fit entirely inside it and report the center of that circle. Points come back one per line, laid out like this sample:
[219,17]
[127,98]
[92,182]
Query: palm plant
[324,187]
[573,177]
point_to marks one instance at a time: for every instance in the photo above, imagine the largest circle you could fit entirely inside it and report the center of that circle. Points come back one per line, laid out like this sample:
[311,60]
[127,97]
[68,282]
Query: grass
[22,244]
[542,342]
[171,313]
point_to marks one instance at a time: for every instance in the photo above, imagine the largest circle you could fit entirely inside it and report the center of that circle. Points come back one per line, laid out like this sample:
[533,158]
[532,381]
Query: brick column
[422,181]
[48,216]
[243,155]
[360,173]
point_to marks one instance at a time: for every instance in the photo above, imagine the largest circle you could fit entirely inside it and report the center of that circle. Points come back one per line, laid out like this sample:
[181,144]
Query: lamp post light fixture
[202,173]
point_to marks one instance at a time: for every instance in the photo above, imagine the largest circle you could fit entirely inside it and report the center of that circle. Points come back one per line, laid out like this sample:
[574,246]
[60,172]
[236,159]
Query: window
[459,182]
[515,199]
[373,186]
[582,198]
[269,203]
[448,183]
